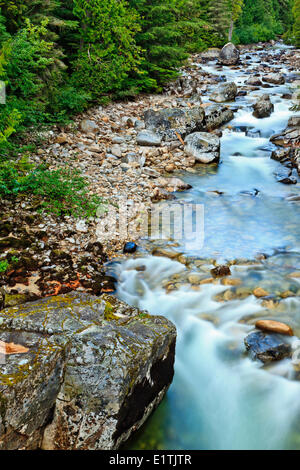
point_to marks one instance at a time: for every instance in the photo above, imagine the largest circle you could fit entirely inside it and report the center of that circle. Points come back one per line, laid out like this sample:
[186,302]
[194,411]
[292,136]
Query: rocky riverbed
[212,137]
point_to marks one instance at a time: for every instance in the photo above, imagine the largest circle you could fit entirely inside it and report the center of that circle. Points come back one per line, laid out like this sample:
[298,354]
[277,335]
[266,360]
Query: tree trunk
[230,31]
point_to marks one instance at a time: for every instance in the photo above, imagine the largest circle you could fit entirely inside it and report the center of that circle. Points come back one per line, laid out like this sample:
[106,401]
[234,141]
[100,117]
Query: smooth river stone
[274,327]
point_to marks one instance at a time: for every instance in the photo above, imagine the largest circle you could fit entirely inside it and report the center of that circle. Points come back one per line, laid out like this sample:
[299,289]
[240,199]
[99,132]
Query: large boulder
[169,123]
[267,347]
[229,55]
[204,147]
[263,107]
[224,92]
[274,78]
[216,116]
[93,372]
[148,138]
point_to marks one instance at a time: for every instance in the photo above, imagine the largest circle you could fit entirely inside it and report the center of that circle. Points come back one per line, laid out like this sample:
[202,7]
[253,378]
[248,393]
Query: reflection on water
[220,399]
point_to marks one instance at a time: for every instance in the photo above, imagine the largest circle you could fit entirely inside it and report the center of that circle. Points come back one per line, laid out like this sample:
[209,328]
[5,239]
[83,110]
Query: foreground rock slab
[267,347]
[94,372]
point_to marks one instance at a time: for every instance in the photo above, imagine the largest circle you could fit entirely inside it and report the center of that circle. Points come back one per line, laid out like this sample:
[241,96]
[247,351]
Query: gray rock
[274,78]
[229,55]
[263,107]
[204,147]
[267,347]
[89,126]
[224,92]
[95,370]
[149,138]
[216,116]
[168,122]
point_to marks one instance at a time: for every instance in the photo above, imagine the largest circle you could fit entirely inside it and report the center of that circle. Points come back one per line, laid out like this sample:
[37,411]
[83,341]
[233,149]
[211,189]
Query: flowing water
[220,398]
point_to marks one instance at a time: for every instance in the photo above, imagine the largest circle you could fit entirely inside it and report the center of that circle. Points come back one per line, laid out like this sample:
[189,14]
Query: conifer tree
[296,28]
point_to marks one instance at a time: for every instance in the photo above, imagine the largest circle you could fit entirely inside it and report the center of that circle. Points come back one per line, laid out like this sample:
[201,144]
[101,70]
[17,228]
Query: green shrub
[108,52]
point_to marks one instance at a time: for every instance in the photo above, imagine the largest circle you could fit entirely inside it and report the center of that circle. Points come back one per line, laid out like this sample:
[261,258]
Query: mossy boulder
[94,371]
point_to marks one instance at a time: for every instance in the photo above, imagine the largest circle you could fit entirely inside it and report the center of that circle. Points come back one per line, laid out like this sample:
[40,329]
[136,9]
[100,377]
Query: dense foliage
[262,20]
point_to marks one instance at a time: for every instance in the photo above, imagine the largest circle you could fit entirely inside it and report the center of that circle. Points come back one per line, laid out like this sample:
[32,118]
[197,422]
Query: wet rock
[286,179]
[267,347]
[95,370]
[221,271]
[254,81]
[169,123]
[211,53]
[216,116]
[263,107]
[274,327]
[130,247]
[204,147]
[274,78]
[229,55]
[288,138]
[89,126]
[148,138]
[224,92]
[294,121]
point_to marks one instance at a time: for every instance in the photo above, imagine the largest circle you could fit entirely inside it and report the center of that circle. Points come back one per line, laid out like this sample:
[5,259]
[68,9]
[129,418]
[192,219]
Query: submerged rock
[95,370]
[254,81]
[89,126]
[169,123]
[224,92]
[229,55]
[204,147]
[263,107]
[267,347]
